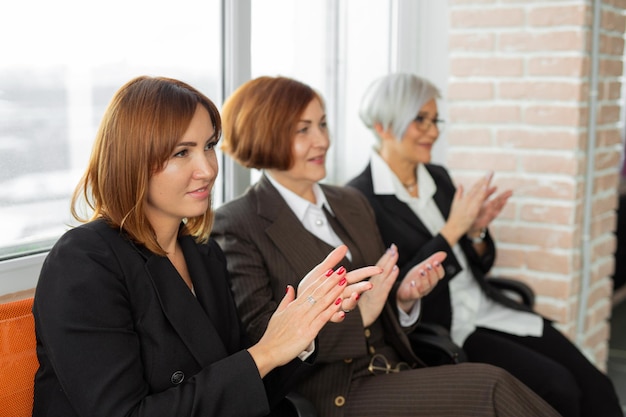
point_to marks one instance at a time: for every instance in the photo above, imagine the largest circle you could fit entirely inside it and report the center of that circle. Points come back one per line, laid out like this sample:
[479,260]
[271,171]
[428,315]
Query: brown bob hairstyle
[260,120]
[137,135]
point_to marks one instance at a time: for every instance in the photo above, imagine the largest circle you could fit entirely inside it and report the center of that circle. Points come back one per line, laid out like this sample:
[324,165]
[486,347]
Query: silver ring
[346,311]
[311,300]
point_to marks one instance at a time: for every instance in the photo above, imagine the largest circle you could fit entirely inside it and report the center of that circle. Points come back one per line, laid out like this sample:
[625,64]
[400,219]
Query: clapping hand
[490,209]
[355,287]
[420,280]
[373,301]
[473,210]
[297,320]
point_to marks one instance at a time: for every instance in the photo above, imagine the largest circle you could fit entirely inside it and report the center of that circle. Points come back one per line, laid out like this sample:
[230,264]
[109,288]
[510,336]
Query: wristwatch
[480,238]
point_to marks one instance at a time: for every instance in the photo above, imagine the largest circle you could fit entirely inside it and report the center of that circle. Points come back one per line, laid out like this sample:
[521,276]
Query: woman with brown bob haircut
[256,120]
[133,312]
[287,222]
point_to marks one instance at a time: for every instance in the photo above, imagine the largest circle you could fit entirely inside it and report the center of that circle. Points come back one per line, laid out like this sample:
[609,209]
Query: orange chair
[18,358]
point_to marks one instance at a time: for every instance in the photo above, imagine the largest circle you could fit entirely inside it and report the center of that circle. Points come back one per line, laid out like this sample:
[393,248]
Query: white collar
[298,204]
[385,182]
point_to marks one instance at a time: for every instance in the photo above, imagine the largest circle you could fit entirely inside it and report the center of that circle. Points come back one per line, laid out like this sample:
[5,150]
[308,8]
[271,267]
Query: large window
[61,63]
[63,60]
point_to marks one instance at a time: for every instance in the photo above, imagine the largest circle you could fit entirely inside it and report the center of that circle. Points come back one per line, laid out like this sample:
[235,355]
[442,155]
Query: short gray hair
[395,100]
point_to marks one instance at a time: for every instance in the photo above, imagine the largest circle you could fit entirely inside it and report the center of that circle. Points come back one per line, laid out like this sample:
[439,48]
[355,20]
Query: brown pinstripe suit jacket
[267,248]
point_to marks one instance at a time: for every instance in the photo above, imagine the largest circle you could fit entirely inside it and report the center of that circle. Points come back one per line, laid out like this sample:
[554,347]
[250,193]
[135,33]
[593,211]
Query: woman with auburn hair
[133,313]
[288,221]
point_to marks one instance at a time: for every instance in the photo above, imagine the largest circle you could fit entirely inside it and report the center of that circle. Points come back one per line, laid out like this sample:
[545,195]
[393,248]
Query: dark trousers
[550,365]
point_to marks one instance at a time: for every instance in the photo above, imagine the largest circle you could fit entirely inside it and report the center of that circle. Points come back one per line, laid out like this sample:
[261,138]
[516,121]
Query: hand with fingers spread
[420,280]
[490,209]
[373,301]
[298,320]
[464,210]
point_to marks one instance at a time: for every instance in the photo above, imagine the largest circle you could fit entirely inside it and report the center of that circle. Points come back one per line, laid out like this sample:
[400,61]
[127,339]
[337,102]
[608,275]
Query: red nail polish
[329,272]
[358,296]
[342,281]
[338,301]
[341,270]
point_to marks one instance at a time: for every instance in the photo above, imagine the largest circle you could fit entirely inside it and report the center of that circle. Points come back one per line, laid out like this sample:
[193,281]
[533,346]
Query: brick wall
[518,104]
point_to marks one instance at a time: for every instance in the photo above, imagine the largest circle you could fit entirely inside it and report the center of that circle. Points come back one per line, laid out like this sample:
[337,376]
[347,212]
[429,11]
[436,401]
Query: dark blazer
[267,247]
[120,334]
[398,224]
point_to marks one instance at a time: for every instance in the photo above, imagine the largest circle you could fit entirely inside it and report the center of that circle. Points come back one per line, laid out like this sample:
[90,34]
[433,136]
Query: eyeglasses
[425,124]
[380,365]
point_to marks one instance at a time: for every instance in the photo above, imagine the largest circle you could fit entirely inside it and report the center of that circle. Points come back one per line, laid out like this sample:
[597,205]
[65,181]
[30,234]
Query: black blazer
[398,224]
[267,247]
[120,334]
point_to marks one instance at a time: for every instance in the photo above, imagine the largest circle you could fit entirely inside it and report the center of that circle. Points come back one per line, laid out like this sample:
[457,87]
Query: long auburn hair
[138,132]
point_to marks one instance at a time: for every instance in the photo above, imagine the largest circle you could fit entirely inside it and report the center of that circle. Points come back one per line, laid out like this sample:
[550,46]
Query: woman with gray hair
[419,209]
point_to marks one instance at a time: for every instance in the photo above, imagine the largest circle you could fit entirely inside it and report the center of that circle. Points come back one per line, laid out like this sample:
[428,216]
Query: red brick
[555,288]
[486,67]
[550,214]
[606,160]
[470,91]
[602,204]
[609,137]
[538,187]
[607,182]
[496,161]
[487,18]
[611,67]
[609,113]
[565,66]
[475,42]
[610,90]
[599,296]
[555,115]
[468,137]
[537,90]
[604,247]
[537,139]
[548,261]
[555,164]
[554,40]
[460,113]
[569,15]
[509,259]
[612,21]
[604,224]
[611,45]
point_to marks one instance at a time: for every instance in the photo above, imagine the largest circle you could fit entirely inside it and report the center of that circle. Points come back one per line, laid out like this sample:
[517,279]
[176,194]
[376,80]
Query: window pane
[338,48]
[58,72]
[289,38]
